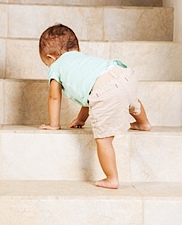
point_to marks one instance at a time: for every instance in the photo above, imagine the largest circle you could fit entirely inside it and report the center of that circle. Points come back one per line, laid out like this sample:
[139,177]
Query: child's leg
[142,122]
[107,160]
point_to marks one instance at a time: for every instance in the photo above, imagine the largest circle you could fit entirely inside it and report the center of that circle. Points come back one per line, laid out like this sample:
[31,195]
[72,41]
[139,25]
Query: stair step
[70,154]
[91,3]
[153,61]
[26,103]
[96,23]
[80,203]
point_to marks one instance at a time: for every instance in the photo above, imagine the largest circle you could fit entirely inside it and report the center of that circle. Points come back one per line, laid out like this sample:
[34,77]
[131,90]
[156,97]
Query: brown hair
[56,40]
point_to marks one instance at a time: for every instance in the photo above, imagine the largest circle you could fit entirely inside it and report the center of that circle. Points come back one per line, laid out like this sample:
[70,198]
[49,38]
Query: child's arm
[54,105]
[81,118]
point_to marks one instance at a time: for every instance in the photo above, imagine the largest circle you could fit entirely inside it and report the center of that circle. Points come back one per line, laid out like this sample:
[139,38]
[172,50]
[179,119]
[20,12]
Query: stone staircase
[46,177]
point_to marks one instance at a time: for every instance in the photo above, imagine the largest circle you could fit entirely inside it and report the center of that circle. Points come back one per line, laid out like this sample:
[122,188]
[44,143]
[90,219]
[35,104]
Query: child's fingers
[75,125]
[71,126]
[79,126]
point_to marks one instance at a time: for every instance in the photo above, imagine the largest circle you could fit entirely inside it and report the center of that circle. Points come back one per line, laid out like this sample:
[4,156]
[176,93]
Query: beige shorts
[113,97]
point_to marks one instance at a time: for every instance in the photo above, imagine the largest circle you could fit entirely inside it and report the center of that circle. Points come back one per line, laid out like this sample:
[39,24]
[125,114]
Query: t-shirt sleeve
[53,74]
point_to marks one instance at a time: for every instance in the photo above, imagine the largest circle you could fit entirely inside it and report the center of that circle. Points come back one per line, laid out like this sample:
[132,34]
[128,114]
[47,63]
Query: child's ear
[51,57]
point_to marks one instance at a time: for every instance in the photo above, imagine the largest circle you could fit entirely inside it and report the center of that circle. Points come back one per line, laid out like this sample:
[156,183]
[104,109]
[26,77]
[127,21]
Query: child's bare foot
[112,184]
[140,126]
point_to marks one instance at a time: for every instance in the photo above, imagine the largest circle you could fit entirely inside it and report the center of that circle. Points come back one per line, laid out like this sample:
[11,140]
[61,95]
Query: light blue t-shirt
[77,73]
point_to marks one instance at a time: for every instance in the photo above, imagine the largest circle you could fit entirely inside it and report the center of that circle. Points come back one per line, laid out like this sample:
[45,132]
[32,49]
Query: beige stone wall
[177,4]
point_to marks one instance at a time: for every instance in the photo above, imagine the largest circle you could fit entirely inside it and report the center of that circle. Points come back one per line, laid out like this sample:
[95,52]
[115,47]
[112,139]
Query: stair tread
[65,189]
[87,190]
[86,130]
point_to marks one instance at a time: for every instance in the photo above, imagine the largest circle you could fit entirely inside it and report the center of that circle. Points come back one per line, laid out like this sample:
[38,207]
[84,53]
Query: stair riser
[96,23]
[46,211]
[26,103]
[156,158]
[162,102]
[3,20]
[141,157]
[91,3]
[2,58]
[151,61]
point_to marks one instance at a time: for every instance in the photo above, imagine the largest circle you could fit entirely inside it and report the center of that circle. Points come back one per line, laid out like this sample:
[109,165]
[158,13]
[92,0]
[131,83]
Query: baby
[105,89]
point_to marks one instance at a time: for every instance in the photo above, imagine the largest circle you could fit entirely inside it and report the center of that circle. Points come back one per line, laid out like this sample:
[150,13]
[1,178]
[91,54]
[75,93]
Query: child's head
[55,41]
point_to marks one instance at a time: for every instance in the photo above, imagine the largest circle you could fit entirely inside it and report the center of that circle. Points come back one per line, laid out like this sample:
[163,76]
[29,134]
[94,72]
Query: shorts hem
[96,136]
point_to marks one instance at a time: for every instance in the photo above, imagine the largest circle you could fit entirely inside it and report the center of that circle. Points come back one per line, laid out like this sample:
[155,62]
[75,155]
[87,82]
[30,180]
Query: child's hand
[48,127]
[76,124]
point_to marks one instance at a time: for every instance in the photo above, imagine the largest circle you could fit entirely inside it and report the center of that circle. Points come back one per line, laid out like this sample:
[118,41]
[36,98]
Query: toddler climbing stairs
[47,177]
